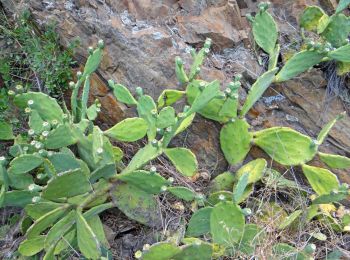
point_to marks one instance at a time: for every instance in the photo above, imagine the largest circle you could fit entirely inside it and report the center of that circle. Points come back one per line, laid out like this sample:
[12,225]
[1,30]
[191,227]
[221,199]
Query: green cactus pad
[25,163]
[240,187]
[321,180]
[128,130]
[6,132]
[149,182]
[199,223]
[169,97]
[274,57]
[35,211]
[183,160]
[229,108]
[226,223]
[180,71]
[310,18]
[246,193]
[62,136]
[252,236]
[343,4]
[182,193]
[166,117]
[335,161]
[341,54]
[285,251]
[161,251]
[93,62]
[143,156]
[185,123]
[92,112]
[287,221]
[63,162]
[87,240]
[202,251]
[65,242]
[337,30]
[201,100]
[61,186]
[265,31]
[298,64]
[35,122]
[222,182]
[123,94]
[333,197]
[18,198]
[235,141]
[45,221]
[30,247]
[285,145]
[327,128]
[97,227]
[145,108]
[255,170]
[137,204]
[104,171]
[258,89]
[216,197]
[198,61]
[59,229]
[20,182]
[46,106]
[84,99]
[209,109]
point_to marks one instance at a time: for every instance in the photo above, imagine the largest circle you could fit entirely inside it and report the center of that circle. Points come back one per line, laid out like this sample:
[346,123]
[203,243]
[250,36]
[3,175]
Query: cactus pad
[298,64]
[149,182]
[341,54]
[128,130]
[182,193]
[258,89]
[195,251]
[161,251]
[235,141]
[25,163]
[199,223]
[62,136]
[255,170]
[226,223]
[6,132]
[321,180]
[122,94]
[285,145]
[166,117]
[265,31]
[335,161]
[337,30]
[183,159]
[169,97]
[145,108]
[223,181]
[30,247]
[137,204]
[310,17]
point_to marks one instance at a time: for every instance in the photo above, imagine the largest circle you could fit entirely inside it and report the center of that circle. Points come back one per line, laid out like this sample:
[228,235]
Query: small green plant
[33,59]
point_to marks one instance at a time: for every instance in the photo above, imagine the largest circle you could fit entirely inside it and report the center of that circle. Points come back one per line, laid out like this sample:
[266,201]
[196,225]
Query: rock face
[143,37]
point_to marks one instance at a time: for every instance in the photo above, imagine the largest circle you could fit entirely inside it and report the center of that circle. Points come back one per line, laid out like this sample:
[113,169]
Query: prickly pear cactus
[265,29]
[285,145]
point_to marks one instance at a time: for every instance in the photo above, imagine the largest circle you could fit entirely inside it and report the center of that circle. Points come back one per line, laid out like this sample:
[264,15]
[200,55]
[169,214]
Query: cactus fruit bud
[2,159]
[154,112]
[34,187]
[153,169]
[247,211]
[250,18]
[31,132]
[314,143]
[99,150]
[111,83]
[222,197]
[71,84]
[54,122]
[32,143]
[164,188]
[180,115]
[345,186]
[179,61]
[79,74]
[25,148]
[101,44]
[263,6]
[139,91]
[36,199]
[310,249]
[160,131]
[27,110]
[19,87]
[238,77]
[169,129]
[228,91]
[200,197]
[207,44]
[146,247]
[186,108]
[90,50]
[193,52]
[50,153]
[206,50]
[232,120]
[45,133]
[198,70]
[30,102]
[138,254]
[11,93]
[154,143]
[171,180]
[38,145]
